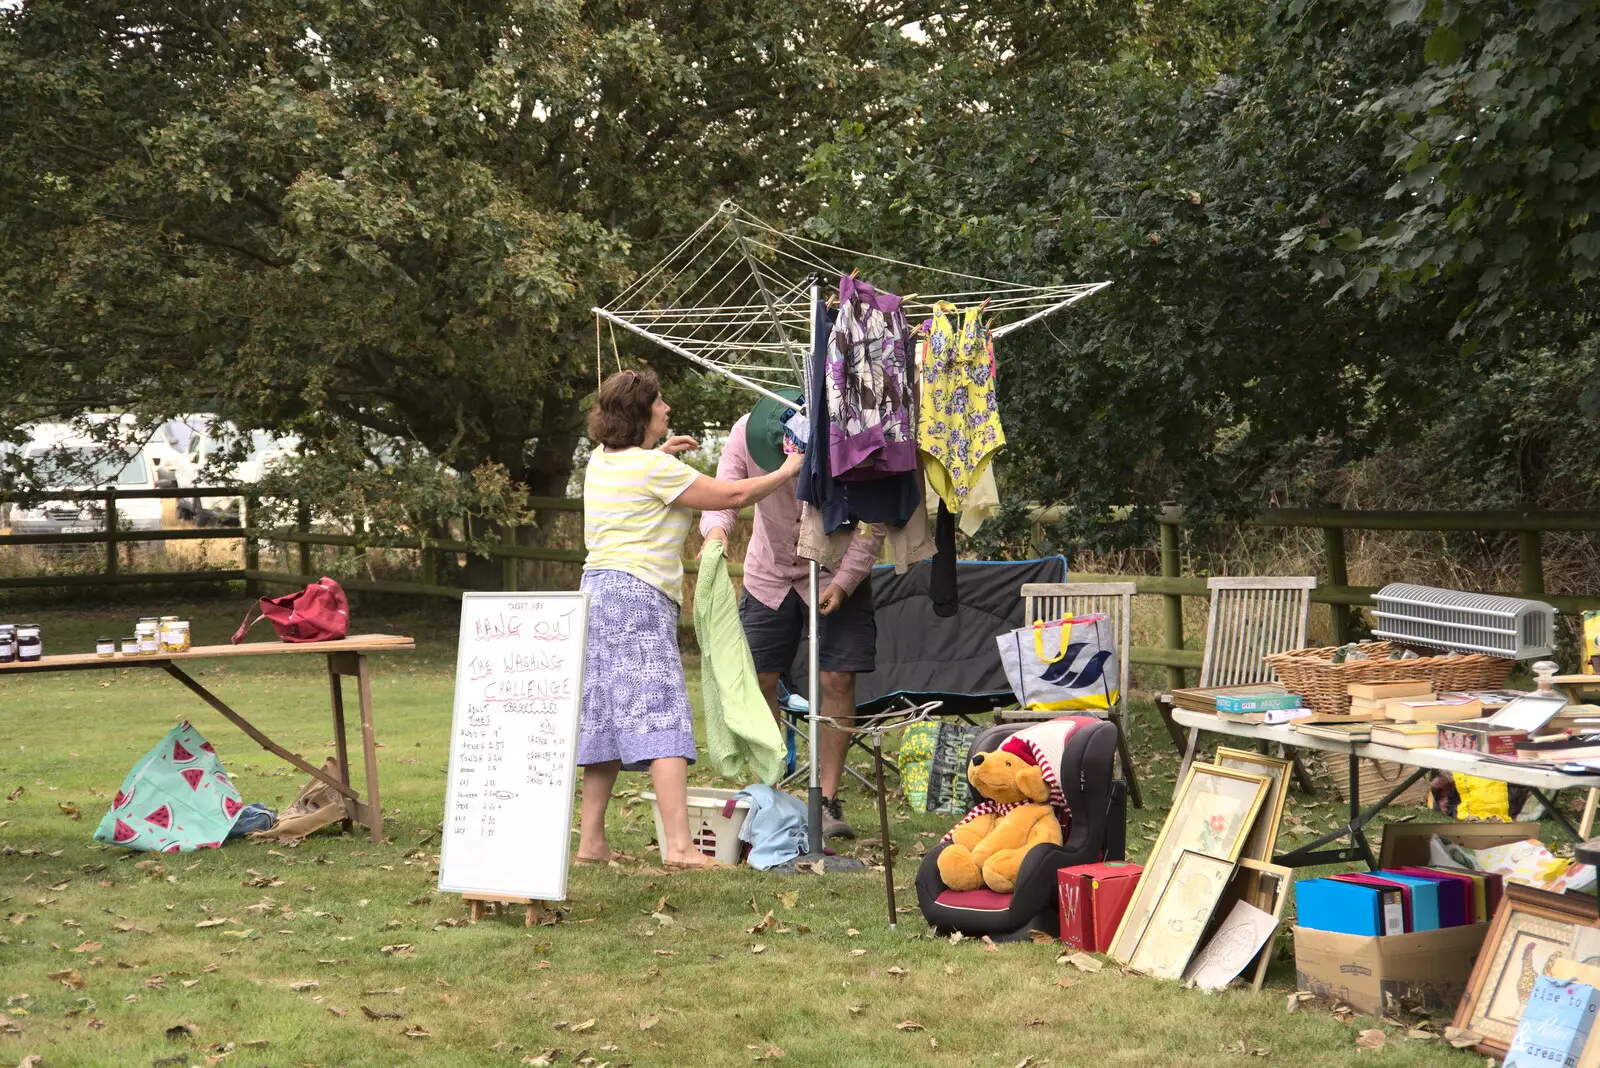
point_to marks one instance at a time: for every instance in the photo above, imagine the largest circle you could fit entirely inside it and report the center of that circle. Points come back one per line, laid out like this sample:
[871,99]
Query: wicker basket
[1323,685]
[1378,777]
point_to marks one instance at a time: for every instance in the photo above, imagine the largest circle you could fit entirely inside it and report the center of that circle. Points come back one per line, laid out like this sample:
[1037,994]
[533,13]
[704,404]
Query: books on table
[1382,691]
[1339,732]
[1439,709]
[1406,735]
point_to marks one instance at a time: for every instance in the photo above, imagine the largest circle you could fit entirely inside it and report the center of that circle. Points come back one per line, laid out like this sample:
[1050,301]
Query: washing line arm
[1002,331]
[698,361]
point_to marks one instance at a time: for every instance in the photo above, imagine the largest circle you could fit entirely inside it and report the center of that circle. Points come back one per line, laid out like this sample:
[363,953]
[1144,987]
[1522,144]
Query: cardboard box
[1092,900]
[1426,970]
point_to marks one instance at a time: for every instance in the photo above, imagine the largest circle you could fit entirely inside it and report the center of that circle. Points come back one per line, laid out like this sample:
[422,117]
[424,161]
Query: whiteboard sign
[513,744]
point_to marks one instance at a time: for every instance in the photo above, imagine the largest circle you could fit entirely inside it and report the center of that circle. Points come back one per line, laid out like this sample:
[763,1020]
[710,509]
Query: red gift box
[1093,899]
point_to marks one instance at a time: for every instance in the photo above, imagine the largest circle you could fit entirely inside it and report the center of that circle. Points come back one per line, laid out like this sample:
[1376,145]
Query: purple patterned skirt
[635,702]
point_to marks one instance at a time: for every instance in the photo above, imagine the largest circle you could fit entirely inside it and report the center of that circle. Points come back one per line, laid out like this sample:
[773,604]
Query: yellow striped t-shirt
[629,521]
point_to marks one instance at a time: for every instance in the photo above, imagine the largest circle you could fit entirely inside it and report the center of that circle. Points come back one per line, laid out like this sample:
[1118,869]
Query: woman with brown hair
[637,501]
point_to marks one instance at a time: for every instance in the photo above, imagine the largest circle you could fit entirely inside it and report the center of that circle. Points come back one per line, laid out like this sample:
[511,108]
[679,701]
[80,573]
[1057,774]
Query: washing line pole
[813,619]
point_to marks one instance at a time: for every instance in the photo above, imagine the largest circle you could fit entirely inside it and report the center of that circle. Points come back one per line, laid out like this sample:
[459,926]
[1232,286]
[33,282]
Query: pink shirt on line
[771,568]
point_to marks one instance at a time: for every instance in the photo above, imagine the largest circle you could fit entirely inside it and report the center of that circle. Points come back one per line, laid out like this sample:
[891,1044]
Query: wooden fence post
[1333,550]
[1172,567]
[303,525]
[508,564]
[252,544]
[1530,562]
[111,530]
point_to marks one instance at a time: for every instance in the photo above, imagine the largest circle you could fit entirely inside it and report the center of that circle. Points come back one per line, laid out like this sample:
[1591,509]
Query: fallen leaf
[647,1022]
[215,921]
[544,1059]
[580,1028]
[762,924]
[956,938]
[188,983]
[933,1044]
[373,1014]
[1299,996]
[416,1032]
[86,947]
[1042,938]
[69,810]
[909,1025]
[758,948]
[32,1060]
[898,973]
[989,946]
[402,949]
[1081,961]
[1372,1038]
[851,932]
[857,1009]
[858,953]
[338,1011]
[773,1053]
[300,986]
[1461,1038]
[789,898]
[666,953]
[1066,982]
[68,978]
[256,1043]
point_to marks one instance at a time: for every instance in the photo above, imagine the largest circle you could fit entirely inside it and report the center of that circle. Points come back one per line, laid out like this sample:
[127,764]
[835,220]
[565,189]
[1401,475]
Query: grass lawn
[642,968]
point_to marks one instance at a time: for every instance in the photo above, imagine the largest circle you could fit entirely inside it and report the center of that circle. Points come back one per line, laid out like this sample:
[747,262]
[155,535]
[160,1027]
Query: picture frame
[1531,929]
[1181,915]
[1212,813]
[1266,886]
[1263,839]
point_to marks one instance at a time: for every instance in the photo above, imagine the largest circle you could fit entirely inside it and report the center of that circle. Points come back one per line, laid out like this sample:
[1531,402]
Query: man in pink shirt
[773,610]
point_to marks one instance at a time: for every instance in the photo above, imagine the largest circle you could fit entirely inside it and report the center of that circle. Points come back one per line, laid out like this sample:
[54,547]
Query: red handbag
[318,613]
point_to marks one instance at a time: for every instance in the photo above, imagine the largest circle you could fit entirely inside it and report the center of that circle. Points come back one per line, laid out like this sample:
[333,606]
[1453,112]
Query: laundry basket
[715,835]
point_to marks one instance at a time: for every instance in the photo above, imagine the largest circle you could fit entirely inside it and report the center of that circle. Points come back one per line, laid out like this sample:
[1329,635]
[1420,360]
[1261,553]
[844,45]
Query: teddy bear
[986,848]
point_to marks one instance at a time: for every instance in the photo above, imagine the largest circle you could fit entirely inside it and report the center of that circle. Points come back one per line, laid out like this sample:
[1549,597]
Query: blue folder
[1330,905]
[1424,899]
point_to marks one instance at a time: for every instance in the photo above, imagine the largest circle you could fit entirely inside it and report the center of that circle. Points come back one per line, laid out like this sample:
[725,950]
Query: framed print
[1263,839]
[1181,915]
[1265,886]
[1212,813]
[1531,930]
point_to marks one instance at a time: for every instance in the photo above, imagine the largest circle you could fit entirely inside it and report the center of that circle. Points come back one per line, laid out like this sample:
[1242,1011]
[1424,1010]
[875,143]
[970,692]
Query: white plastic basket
[715,835]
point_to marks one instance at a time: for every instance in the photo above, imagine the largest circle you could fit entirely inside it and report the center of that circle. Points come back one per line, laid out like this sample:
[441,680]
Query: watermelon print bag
[177,798]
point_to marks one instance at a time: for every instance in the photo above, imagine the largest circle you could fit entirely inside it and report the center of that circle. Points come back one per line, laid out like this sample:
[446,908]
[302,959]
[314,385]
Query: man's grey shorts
[849,635]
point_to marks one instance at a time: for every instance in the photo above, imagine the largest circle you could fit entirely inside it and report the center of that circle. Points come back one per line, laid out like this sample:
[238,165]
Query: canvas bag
[318,613]
[176,798]
[1068,665]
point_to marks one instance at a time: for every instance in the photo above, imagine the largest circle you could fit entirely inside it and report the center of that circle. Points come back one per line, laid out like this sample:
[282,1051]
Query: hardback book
[1558,748]
[1339,732]
[1379,691]
[1406,735]
[1555,1025]
[1424,710]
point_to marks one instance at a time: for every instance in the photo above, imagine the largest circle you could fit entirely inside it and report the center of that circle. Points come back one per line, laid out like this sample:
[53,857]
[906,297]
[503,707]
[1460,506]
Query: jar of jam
[130,647]
[175,636]
[104,647]
[8,642]
[148,634]
[30,644]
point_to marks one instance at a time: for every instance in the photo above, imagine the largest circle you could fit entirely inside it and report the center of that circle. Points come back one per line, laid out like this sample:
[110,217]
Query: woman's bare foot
[690,860]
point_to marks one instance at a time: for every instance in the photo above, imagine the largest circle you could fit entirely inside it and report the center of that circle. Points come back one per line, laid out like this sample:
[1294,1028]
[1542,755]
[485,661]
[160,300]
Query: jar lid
[35,626]
[105,639]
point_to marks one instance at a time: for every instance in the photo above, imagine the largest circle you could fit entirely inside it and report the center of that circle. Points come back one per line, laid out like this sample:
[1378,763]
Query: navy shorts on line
[849,634]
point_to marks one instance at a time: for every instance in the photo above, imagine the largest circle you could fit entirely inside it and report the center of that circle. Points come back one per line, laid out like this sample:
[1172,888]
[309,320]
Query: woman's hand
[679,443]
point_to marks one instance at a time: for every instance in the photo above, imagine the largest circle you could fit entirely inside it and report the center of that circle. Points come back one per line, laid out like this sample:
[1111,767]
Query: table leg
[1561,817]
[369,747]
[1188,757]
[1312,854]
[336,694]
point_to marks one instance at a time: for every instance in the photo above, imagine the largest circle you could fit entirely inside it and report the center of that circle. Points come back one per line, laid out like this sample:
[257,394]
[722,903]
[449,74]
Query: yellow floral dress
[958,420]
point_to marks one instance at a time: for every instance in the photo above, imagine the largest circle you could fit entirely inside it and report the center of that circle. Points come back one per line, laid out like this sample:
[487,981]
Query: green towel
[740,729]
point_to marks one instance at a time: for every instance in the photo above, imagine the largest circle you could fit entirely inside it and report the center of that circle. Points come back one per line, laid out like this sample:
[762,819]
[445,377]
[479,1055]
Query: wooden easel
[479,906]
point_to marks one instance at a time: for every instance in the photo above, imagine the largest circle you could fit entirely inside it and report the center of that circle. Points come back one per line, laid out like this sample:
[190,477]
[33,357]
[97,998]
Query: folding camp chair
[923,657]
[1074,600]
[1250,619]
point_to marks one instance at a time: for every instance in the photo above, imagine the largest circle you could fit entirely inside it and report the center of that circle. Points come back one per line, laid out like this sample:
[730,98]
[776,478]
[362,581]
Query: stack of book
[1369,700]
[1439,708]
[1359,731]
[1406,735]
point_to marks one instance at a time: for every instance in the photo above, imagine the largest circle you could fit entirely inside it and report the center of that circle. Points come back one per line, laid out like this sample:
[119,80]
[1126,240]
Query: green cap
[763,434]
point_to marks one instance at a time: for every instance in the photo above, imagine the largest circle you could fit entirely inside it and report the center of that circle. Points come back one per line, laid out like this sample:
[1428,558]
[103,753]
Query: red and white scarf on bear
[1040,745]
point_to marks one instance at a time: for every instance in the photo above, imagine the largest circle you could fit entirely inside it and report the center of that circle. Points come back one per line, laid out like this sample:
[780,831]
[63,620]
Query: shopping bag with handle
[1064,665]
[318,613]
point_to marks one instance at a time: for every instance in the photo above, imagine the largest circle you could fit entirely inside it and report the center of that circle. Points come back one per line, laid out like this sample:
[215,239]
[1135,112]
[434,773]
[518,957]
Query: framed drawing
[1181,915]
[1531,930]
[1263,837]
[1265,886]
[1212,813]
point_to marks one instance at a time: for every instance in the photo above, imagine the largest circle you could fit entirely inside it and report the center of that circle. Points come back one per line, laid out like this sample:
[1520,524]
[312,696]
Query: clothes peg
[855,272]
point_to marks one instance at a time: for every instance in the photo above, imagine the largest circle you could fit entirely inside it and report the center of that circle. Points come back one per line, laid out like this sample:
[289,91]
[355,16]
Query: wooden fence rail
[1172,586]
